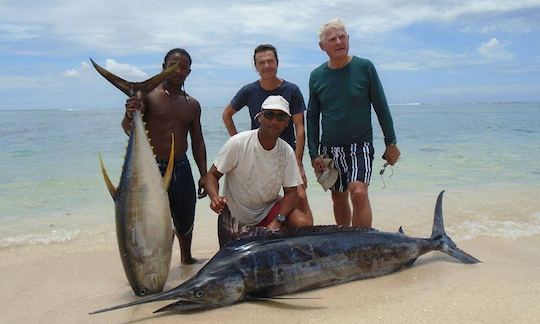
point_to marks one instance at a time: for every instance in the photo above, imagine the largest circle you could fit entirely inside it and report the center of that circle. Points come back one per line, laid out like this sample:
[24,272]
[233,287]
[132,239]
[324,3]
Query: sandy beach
[62,282]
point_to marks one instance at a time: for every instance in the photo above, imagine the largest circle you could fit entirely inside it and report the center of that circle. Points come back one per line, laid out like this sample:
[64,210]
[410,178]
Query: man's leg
[297,218]
[361,216]
[301,215]
[342,210]
[184,241]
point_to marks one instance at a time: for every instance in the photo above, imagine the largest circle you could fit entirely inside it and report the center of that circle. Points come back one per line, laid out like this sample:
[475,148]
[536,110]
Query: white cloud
[16,32]
[74,73]
[159,25]
[126,71]
[494,50]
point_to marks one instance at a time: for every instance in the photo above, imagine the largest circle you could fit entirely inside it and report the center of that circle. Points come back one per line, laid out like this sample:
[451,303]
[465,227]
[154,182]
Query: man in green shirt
[342,91]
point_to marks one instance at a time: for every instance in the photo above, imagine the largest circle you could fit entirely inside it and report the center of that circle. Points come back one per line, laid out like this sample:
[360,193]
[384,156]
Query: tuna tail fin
[168,172]
[445,243]
[110,186]
[132,88]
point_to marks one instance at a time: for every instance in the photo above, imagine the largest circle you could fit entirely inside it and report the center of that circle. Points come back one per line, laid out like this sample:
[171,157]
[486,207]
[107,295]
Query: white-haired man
[342,91]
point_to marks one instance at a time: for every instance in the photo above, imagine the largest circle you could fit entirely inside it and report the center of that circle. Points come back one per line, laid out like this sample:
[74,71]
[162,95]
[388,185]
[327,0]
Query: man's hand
[391,154]
[318,164]
[217,203]
[132,104]
[201,192]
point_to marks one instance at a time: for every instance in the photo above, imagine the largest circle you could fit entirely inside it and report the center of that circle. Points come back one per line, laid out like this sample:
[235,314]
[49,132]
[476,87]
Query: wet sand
[61,283]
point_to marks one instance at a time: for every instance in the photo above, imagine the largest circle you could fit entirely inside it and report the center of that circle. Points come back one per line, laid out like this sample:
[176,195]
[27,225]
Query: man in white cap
[252,95]
[257,164]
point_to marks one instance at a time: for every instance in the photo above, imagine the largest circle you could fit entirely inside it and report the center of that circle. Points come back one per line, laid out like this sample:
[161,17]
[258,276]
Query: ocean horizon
[52,191]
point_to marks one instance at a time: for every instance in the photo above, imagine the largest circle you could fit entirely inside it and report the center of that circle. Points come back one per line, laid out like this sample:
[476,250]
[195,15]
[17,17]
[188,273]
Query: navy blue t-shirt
[253,95]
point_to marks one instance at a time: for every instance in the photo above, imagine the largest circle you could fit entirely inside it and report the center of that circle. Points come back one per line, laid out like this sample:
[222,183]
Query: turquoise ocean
[52,191]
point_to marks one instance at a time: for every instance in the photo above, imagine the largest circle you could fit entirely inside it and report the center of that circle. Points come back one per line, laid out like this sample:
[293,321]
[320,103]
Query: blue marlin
[270,264]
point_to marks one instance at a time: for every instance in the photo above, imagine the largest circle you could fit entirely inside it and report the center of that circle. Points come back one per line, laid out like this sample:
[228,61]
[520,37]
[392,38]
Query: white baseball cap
[276,103]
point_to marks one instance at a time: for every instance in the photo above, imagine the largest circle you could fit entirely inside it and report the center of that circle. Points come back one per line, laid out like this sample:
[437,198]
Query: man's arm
[298,121]
[199,149]
[227,116]
[313,131]
[289,200]
[380,105]
[217,202]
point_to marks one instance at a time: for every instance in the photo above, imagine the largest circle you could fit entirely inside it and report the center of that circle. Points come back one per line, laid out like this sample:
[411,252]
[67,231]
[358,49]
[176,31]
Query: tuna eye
[199,293]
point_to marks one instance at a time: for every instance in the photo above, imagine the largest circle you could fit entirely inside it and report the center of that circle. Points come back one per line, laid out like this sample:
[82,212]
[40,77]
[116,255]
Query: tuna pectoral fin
[446,244]
[183,306]
[110,186]
[168,173]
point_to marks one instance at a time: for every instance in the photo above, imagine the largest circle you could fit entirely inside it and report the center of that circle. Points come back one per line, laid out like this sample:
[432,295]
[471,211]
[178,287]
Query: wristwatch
[281,218]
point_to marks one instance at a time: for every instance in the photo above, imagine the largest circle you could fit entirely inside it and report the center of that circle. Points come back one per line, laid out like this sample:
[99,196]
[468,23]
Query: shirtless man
[167,110]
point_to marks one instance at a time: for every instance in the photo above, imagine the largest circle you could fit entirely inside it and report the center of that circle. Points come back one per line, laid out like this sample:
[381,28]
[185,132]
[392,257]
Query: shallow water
[51,189]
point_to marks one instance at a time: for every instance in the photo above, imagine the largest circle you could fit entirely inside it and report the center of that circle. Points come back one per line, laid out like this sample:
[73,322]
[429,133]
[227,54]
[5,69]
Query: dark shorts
[353,162]
[182,195]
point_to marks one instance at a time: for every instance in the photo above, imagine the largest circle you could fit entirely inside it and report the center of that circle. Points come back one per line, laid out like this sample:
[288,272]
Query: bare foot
[190,260]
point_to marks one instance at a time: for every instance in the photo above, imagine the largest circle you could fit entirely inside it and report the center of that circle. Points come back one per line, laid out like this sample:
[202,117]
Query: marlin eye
[199,293]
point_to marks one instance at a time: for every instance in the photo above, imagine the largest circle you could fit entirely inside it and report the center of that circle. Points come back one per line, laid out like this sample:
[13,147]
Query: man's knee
[340,198]
[301,193]
[359,191]
[298,218]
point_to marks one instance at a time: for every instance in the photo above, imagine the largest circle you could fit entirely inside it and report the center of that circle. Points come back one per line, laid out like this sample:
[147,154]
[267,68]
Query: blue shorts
[353,162]
[182,195]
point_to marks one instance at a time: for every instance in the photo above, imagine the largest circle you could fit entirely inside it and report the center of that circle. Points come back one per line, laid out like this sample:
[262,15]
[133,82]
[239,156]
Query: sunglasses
[382,172]
[271,115]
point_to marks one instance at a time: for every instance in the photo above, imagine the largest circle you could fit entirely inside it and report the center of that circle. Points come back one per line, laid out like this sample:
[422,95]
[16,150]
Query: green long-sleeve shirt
[344,97]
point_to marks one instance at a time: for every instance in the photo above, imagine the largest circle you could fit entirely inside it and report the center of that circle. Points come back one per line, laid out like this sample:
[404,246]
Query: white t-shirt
[255,176]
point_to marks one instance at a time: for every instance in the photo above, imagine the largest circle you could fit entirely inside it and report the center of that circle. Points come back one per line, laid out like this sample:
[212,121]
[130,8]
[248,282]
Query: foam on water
[507,229]
[55,236]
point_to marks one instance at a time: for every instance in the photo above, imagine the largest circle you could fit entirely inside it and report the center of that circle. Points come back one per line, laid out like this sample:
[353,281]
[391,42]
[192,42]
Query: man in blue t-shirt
[253,95]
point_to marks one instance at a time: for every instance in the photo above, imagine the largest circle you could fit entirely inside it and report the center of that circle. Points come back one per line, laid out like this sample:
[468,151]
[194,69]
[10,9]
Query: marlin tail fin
[446,244]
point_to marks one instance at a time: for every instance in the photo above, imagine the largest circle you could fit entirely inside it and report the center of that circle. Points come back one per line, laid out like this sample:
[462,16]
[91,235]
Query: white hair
[332,23]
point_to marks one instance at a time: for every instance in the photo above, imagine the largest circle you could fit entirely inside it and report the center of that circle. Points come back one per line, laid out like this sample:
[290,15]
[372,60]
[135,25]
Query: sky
[446,51]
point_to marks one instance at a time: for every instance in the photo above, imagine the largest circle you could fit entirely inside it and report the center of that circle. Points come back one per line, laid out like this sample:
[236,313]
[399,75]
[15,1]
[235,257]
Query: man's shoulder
[289,85]
[319,69]
[243,136]
[192,101]
[250,87]
[319,72]
[361,61]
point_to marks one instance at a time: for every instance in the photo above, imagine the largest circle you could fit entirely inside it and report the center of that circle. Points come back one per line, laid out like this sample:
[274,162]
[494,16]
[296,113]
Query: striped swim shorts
[353,162]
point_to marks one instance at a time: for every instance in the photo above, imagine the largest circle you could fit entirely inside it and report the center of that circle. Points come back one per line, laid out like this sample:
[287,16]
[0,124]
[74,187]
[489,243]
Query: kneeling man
[257,164]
